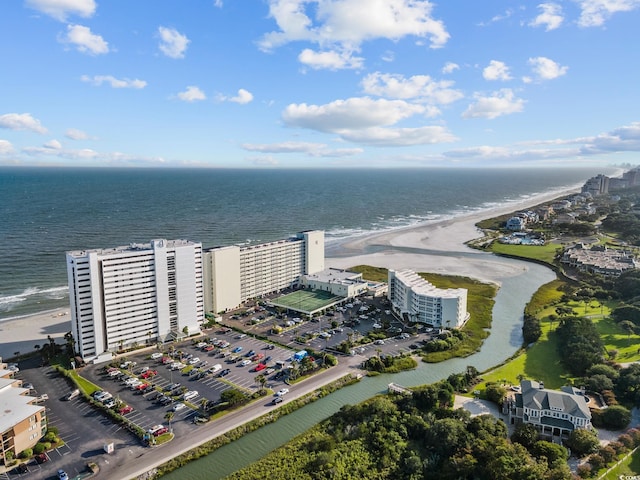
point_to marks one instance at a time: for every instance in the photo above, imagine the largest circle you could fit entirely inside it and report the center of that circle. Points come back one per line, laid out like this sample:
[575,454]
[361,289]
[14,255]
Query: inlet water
[505,339]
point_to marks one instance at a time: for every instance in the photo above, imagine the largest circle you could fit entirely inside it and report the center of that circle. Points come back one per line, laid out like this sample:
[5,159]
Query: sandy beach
[437,247]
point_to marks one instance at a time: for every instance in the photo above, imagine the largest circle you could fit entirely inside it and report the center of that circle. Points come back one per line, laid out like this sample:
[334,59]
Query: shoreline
[436,247]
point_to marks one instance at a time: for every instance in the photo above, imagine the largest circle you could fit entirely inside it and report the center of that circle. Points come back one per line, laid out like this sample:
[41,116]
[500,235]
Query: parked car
[237,350]
[194,360]
[250,353]
[178,406]
[224,372]
[62,475]
[157,430]
[126,409]
[259,367]
[189,395]
[71,395]
[156,355]
[244,363]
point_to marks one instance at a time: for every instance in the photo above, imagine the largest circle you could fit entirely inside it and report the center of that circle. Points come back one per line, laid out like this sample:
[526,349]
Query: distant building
[598,185]
[417,300]
[552,412]
[235,274]
[598,259]
[22,422]
[135,294]
[516,224]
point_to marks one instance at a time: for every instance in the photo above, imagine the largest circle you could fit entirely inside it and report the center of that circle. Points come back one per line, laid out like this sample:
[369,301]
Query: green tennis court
[306,301]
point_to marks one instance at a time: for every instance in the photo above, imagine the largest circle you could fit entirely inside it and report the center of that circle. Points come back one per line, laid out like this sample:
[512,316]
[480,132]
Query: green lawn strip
[83,384]
[543,253]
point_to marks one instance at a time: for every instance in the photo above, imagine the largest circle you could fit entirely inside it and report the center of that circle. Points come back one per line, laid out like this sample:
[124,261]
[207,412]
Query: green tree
[550,451]
[582,442]
[526,435]
[495,393]
[616,417]
[232,396]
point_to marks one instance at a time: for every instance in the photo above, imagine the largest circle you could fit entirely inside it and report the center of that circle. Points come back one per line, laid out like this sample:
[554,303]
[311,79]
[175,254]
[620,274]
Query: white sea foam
[7,301]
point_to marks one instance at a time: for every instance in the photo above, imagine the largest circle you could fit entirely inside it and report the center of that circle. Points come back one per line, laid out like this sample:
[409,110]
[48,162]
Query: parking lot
[84,429]
[206,367]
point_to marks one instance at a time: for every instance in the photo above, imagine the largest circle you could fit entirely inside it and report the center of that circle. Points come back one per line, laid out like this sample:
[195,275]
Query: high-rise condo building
[417,300]
[235,274]
[135,294]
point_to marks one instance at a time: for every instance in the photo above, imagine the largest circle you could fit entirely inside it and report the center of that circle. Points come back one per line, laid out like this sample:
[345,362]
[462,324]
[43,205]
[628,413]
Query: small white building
[339,282]
[416,300]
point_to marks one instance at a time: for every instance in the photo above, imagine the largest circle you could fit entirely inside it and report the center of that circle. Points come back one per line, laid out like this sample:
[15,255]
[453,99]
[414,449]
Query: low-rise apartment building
[22,422]
[417,300]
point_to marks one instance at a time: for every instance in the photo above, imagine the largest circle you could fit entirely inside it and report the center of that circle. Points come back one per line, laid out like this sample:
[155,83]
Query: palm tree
[168,417]
[261,380]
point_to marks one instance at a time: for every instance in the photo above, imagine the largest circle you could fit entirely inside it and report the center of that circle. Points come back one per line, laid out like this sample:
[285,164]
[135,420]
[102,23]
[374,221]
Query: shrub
[584,470]
[26,453]
[496,393]
[582,442]
[616,417]
[39,448]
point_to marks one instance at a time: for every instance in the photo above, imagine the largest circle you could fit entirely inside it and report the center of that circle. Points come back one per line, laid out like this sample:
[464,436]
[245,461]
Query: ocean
[47,211]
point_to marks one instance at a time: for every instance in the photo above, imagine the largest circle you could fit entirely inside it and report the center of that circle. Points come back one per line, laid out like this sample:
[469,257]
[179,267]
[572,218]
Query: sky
[319,83]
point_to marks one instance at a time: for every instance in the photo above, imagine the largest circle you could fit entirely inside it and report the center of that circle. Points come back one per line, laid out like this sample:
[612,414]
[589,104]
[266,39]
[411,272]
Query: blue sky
[319,83]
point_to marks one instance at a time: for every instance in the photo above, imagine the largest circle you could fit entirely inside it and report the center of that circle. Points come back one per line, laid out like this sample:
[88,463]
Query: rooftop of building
[336,275]
[14,405]
[421,286]
[135,247]
[299,237]
[567,400]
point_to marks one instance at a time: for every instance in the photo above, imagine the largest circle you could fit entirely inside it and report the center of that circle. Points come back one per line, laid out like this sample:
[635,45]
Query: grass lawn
[545,253]
[629,466]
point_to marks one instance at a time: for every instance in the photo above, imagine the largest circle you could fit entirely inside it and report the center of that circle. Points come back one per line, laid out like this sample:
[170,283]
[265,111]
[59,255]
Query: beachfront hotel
[235,274]
[416,300]
[133,295]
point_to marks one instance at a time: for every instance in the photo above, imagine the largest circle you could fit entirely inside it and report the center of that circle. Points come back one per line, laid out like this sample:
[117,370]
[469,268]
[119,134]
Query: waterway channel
[504,341]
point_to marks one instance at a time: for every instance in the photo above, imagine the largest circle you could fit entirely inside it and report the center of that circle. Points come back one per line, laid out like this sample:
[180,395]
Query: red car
[149,373]
[142,386]
[160,431]
[126,409]
[260,366]
[257,357]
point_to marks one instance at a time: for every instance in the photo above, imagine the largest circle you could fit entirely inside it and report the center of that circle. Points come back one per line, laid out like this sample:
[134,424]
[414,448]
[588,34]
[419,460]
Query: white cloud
[388,56]
[421,87]
[21,121]
[595,12]
[329,60]
[497,18]
[192,94]
[243,97]
[75,134]
[312,149]
[85,41]
[61,9]
[53,145]
[172,43]
[496,70]
[5,147]
[546,69]
[450,67]
[551,16]
[399,137]
[502,102]
[622,139]
[349,23]
[352,113]
[217,3]
[114,82]
[362,119]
